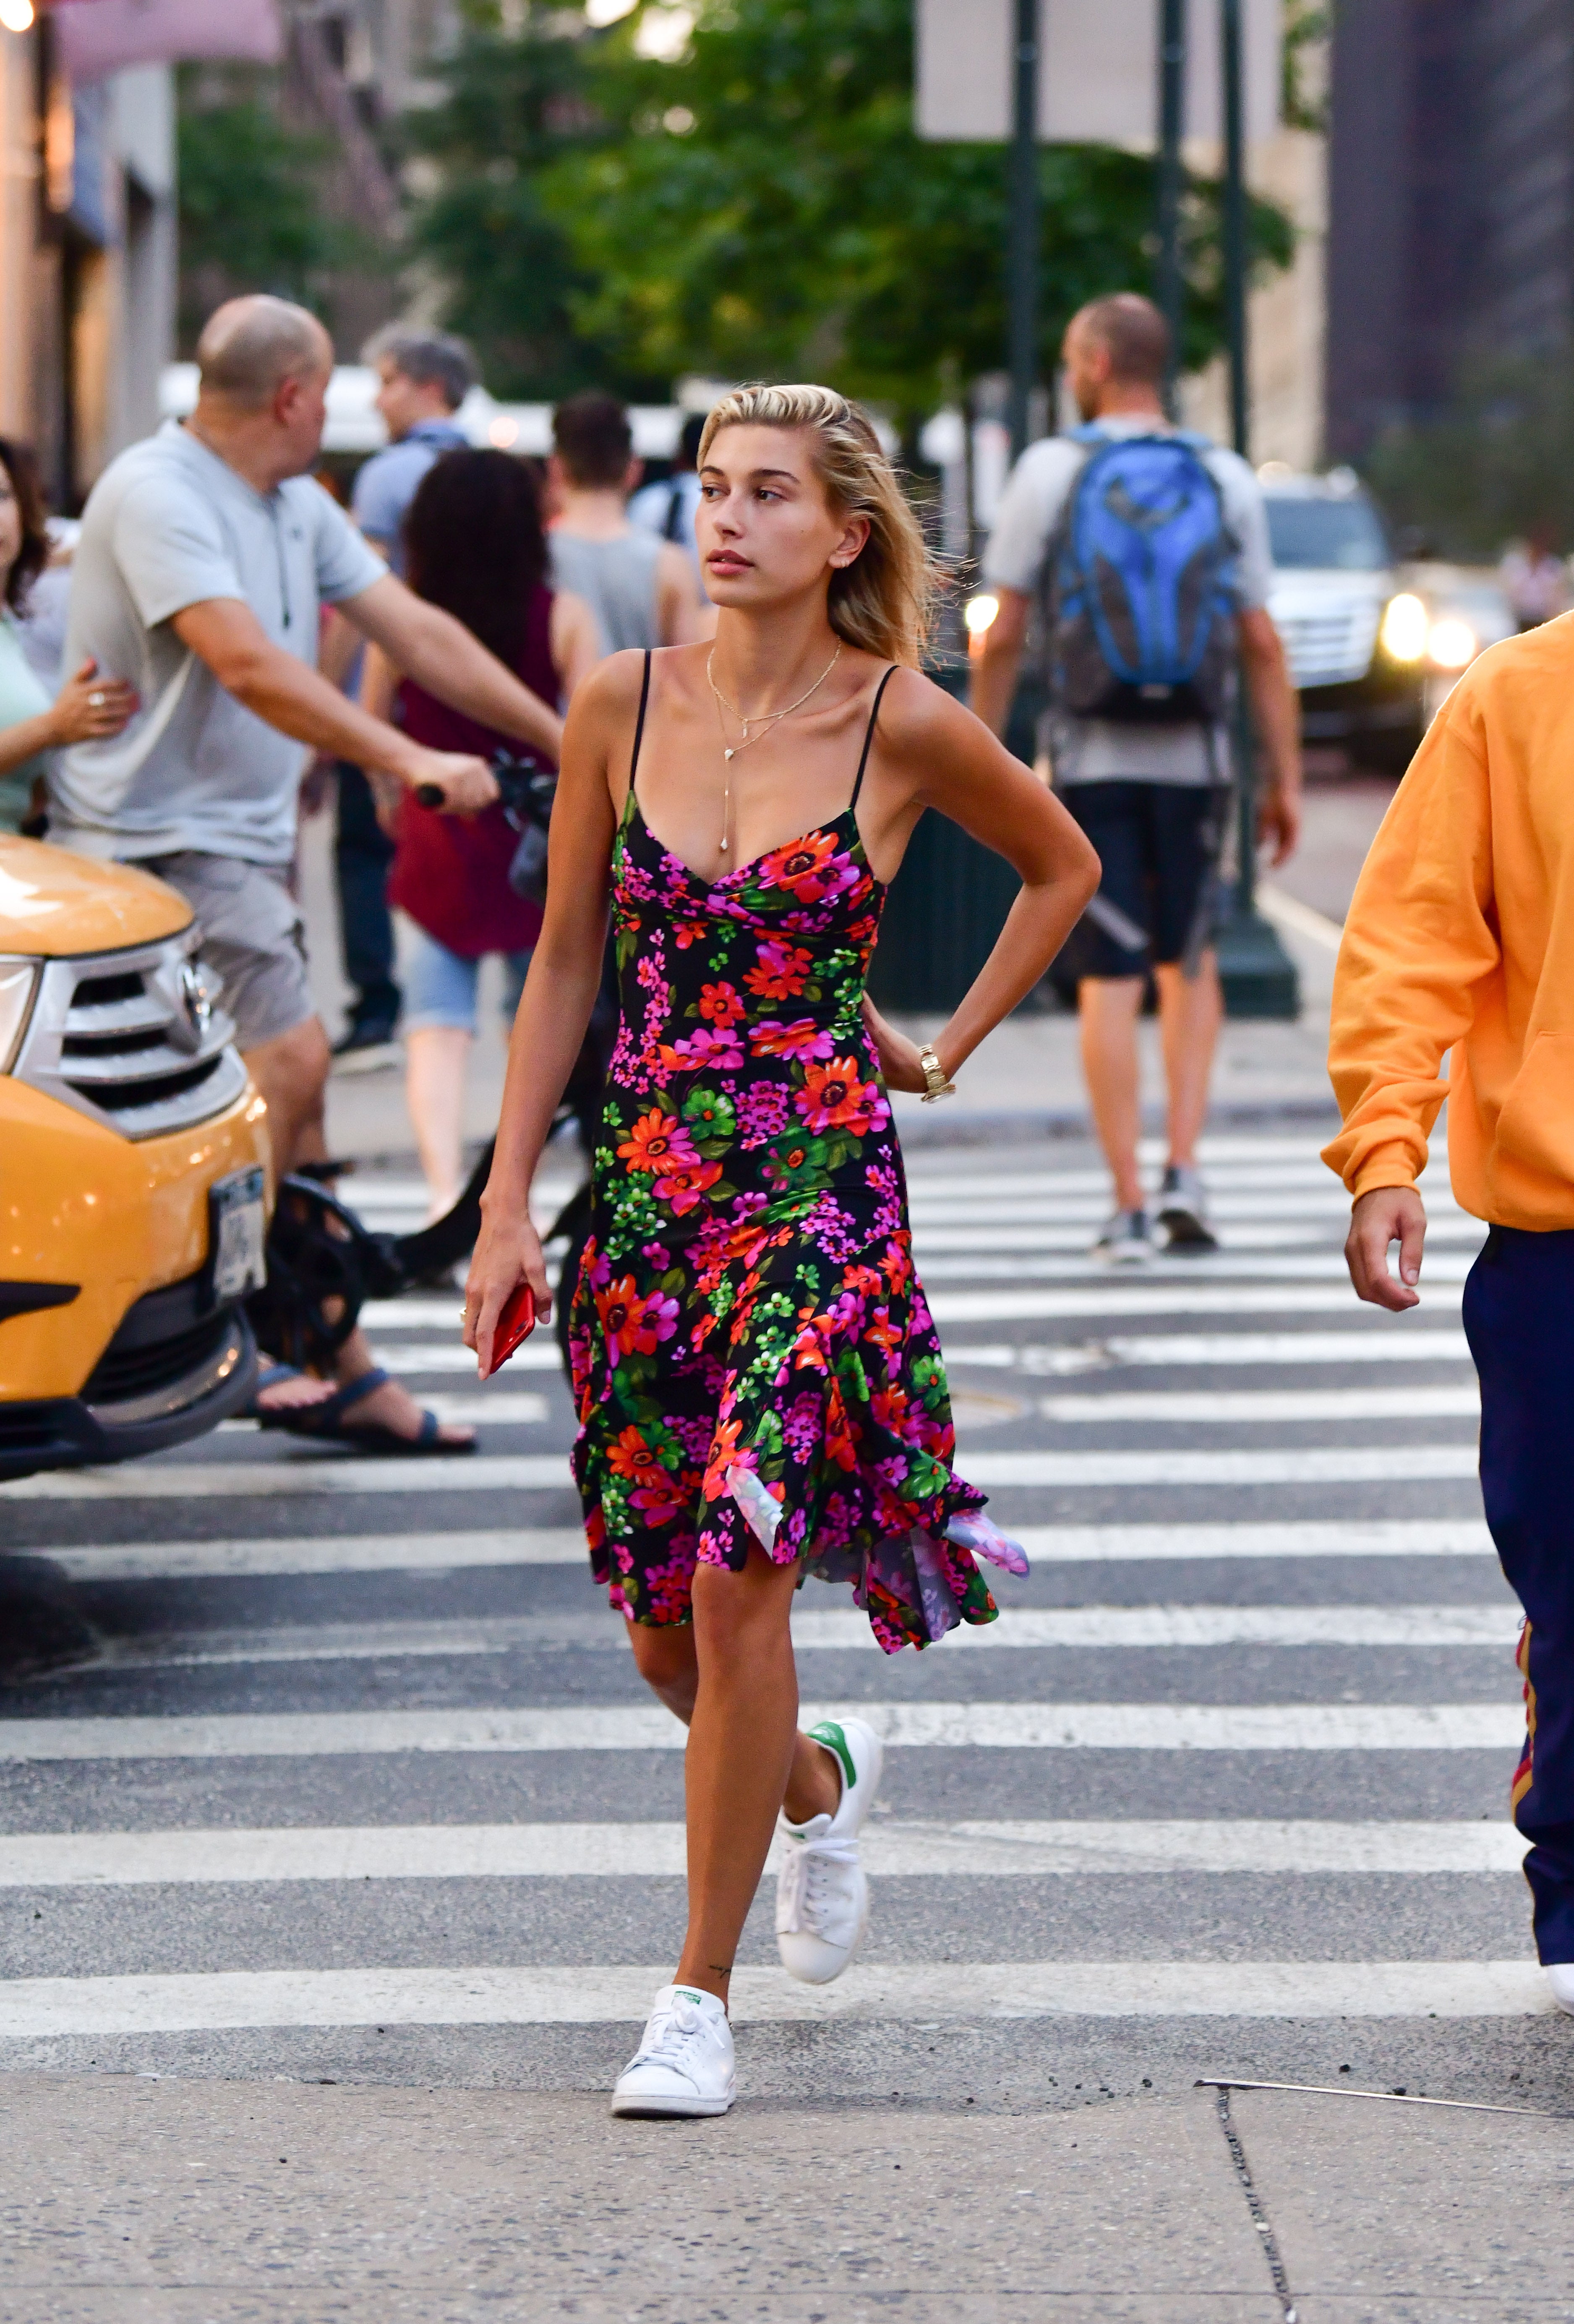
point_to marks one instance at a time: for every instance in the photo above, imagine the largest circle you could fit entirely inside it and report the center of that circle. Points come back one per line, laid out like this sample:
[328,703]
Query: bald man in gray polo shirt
[205,555]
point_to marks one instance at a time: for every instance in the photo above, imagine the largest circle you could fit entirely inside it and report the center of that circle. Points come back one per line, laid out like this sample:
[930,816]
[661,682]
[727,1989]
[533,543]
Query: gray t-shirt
[616,579]
[169,524]
[1095,750]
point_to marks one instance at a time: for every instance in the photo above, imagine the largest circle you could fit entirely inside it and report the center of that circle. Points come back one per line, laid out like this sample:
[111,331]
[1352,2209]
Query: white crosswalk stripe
[838,1631]
[909,1726]
[36,2007]
[437,1553]
[1267,1404]
[280,1573]
[656,1851]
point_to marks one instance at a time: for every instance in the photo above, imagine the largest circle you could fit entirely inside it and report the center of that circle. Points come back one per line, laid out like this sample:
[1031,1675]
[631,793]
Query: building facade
[1452,200]
[87,257]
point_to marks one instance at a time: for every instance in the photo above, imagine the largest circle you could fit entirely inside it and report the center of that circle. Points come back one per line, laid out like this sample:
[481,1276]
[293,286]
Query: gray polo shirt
[169,524]
[1096,750]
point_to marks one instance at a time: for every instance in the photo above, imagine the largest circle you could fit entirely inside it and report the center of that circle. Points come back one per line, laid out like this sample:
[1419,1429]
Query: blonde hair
[883,601]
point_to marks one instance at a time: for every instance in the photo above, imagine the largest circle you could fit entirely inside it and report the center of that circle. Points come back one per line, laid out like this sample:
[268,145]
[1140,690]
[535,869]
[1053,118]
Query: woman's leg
[435,1061]
[731,1678]
[440,1022]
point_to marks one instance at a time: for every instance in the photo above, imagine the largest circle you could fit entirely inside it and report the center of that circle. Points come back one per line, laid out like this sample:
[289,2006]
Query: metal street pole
[1022,253]
[1171,77]
[1235,262]
[1257,973]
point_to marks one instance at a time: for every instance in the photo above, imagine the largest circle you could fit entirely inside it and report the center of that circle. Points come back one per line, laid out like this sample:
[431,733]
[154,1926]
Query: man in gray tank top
[643,590]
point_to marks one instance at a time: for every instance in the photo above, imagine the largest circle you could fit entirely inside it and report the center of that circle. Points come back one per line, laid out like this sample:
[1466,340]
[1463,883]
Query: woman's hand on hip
[507,1253]
[92,709]
[898,1056]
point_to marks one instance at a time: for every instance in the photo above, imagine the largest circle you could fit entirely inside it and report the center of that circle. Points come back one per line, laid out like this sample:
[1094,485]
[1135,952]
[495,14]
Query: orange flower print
[632,1325]
[684,1188]
[833,1098]
[720,1004]
[658,1141]
[811,869]
[780,970]
[630,1455]
[723,1452]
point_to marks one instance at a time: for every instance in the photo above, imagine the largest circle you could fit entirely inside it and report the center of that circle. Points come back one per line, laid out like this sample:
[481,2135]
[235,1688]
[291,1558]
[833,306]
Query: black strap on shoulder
[639,722]
[869,733]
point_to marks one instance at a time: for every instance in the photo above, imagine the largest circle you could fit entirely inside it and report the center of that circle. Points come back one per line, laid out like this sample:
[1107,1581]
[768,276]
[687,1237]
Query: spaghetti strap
[640,722]
[868,735]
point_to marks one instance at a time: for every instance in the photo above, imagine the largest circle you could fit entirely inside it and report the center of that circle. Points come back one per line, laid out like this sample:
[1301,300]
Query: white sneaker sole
[630,2105]
[1122,1255]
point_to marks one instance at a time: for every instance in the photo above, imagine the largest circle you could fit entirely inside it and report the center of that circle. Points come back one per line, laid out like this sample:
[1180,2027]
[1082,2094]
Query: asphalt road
[343,1773]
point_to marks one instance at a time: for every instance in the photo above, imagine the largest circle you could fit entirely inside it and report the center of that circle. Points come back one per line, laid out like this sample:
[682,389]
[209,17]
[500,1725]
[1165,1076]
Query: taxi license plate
[236,1234]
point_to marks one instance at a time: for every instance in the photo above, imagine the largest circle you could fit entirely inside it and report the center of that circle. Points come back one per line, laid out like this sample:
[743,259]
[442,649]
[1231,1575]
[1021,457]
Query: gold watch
[935,1075]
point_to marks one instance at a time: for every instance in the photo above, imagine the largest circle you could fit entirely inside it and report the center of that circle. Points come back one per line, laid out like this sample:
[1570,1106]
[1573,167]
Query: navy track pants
[1519,1318]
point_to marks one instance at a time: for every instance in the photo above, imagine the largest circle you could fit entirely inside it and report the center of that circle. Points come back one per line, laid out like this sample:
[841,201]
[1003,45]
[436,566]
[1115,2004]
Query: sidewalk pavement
[154,2202]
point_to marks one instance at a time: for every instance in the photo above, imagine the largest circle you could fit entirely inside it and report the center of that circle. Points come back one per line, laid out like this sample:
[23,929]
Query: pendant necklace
[764,718]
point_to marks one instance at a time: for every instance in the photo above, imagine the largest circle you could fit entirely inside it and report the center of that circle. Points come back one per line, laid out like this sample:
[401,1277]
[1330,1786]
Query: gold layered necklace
[762,719]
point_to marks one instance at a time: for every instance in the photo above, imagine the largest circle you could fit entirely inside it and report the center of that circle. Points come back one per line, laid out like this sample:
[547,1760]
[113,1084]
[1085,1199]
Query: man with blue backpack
[1138,555]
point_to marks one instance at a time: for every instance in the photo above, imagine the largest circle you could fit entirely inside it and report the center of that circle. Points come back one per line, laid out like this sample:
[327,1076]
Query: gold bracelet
[934,1075]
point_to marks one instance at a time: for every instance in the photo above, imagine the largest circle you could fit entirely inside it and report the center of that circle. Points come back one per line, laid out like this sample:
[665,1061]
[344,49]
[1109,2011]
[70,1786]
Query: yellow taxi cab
[134,1170]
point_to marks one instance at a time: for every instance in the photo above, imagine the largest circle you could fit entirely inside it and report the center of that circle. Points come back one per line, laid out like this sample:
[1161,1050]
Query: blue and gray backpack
[1140,618]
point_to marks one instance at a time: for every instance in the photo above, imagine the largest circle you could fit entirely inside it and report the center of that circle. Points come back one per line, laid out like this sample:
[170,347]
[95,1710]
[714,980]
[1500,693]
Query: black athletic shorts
[1158,844]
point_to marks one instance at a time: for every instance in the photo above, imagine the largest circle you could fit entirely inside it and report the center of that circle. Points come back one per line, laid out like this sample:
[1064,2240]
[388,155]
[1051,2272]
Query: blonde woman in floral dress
[762,1394]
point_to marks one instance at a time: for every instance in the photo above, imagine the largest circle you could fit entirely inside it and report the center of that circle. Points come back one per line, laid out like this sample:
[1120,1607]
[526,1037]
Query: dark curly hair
[474,544]
[21,468]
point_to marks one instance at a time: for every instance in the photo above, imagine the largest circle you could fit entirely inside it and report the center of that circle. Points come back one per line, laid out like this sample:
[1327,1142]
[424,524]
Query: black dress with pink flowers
[753,1360]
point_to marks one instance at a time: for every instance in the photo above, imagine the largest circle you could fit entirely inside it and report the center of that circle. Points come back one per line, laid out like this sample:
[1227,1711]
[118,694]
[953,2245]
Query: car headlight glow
[1451,643]
[17,979]
[1404,633]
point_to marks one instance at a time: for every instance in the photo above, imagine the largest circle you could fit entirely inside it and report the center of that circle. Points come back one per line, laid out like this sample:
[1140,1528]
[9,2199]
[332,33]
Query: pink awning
[95,37]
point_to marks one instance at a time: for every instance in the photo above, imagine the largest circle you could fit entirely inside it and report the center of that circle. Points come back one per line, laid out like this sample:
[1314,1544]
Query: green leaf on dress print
[925,1477]
[767,1439]
[712,1121]
[675,1284]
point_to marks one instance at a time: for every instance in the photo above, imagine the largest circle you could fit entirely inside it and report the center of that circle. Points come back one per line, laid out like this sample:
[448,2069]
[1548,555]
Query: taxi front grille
[133,1040]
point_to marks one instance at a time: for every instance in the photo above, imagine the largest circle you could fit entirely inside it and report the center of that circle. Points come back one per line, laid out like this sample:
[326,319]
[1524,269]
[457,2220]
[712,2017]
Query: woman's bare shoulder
[915,715]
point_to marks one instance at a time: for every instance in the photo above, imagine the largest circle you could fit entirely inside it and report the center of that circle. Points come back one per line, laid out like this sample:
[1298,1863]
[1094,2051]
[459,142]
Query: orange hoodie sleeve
[1418,938]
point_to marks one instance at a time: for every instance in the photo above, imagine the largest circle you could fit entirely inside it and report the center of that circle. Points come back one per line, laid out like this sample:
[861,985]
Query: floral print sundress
[752,1357]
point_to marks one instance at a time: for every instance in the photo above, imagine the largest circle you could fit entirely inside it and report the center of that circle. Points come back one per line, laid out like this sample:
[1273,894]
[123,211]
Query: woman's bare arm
[960,769]
[559,994]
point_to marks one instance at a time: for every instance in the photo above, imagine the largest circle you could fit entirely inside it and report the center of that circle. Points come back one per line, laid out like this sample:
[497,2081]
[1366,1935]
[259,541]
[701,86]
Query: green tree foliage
[252,216]
[517,116]
[760,206]
[1496,465]
[770,210]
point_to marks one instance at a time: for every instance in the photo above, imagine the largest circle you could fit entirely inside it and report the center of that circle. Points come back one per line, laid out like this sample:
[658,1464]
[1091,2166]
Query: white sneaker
[1560,1978]
[1125,1241]
[1184,1210]
[822,1897]
[684,2063]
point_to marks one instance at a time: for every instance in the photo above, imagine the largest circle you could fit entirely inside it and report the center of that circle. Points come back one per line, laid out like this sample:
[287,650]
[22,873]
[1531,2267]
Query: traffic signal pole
[1022,251]
[1171,79]
[1257,973]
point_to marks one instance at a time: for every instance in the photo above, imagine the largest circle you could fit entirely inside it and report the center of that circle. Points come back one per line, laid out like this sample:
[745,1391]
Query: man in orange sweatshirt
[1460,939]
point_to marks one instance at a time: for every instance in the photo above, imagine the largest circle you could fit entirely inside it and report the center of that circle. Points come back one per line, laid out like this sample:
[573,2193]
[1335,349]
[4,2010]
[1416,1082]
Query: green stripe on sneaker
[831,1735]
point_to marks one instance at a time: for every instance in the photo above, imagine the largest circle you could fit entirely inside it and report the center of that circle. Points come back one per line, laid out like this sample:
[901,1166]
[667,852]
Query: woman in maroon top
[475,545]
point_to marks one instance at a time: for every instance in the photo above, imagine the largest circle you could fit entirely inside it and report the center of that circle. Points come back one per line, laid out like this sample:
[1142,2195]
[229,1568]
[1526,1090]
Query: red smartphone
[514,1327]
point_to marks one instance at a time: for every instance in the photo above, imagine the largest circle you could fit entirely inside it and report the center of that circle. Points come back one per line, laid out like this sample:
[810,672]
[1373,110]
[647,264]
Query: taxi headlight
[17,979]
[1452,643]
[1404,633]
